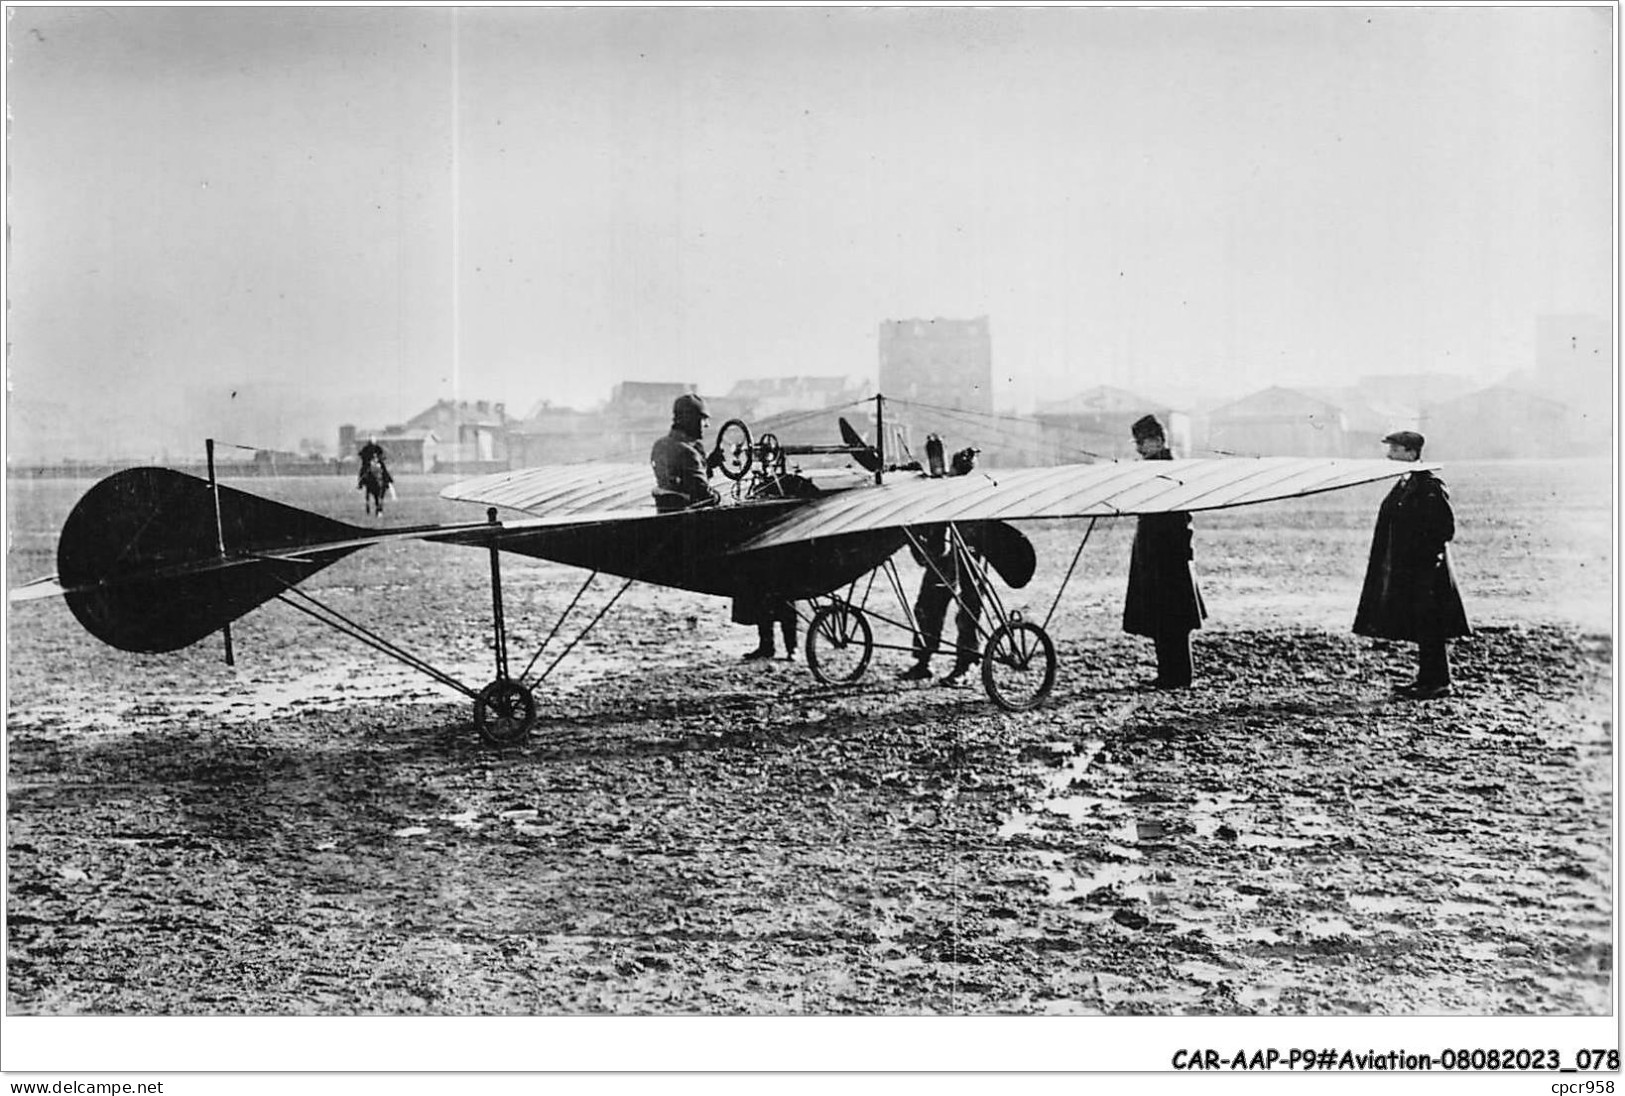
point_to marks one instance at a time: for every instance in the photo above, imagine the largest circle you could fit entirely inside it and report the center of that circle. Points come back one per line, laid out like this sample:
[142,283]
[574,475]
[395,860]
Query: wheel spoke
[839,644]
[504,712]
[1019,666]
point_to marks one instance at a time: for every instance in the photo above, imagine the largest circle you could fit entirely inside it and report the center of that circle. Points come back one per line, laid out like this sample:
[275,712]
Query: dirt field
[317,832]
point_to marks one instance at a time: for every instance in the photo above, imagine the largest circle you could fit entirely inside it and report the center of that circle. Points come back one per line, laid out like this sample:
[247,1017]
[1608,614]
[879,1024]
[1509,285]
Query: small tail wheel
[1018,666]
[504,712]
[734,442]
[839,643]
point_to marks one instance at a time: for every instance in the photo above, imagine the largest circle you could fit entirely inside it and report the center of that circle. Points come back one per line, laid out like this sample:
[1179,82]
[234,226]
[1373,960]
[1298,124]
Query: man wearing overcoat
[1163,601]
[1410,593]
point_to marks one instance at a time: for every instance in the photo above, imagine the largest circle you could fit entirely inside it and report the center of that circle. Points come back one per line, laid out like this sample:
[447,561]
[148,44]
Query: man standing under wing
[1163,601]
[1409,592]
[942,577]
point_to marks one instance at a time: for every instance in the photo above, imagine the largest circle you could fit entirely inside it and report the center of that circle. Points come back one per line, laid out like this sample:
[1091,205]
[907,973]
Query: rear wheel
[504,712]
[839,643]
[1018,666]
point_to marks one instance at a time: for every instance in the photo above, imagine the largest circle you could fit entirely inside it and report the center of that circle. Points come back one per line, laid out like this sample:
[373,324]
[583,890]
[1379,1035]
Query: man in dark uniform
[764,610]
[681,466]
[1409,592]
[937,587]
[1163,601]
[369,453]
[764,613]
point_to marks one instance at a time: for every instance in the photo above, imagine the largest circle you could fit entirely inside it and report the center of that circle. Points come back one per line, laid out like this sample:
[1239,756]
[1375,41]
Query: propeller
[864,453]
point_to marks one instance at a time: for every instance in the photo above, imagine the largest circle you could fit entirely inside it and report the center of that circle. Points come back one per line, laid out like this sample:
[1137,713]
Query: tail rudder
[141,563]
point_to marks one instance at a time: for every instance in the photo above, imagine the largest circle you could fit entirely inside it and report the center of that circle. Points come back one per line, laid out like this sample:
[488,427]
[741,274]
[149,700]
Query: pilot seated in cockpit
[681,466]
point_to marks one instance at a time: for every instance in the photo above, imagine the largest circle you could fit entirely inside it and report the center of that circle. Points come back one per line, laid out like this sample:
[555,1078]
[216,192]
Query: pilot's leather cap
[689,410]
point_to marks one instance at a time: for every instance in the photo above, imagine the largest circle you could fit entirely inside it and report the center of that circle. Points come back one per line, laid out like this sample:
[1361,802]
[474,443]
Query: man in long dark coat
[1163,601]
[1409,592]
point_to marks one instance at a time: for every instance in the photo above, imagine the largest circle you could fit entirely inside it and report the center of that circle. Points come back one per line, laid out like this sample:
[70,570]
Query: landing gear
[839,643]
[504,712]
[1018,666]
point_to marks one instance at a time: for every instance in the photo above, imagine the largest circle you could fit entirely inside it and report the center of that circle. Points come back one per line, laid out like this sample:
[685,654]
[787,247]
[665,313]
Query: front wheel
[1018,666]
[504,712]
[839,643]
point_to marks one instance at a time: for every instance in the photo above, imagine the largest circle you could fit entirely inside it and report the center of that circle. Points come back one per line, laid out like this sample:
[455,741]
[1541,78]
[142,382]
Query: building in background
[471,436]
[556,435]
[637,413]
[1509,422]
[1411,390]
[452,436]
[1096,424]
[408,449]
[937,378]
[944,363]
[1379,404]
[762,398]
[1278,422]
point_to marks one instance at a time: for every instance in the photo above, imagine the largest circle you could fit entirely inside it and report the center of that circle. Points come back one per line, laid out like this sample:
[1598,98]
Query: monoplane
[152,560]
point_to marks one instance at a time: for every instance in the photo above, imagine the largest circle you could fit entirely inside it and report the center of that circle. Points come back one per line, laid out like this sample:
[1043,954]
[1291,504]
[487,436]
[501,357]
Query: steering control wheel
[733,441]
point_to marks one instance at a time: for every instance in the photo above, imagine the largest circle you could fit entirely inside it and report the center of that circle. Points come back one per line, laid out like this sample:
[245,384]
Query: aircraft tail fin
[140,564]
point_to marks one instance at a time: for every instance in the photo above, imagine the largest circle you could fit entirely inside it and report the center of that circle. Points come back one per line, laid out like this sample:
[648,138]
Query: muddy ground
[315,832]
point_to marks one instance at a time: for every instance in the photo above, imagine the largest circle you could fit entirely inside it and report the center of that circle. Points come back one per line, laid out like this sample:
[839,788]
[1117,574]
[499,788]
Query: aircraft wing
[574,494]
[1115,489]
[567,492]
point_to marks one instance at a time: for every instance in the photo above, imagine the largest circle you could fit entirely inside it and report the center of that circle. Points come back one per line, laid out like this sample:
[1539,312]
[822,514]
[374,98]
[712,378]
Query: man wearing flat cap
[1163,601]
[1409,592]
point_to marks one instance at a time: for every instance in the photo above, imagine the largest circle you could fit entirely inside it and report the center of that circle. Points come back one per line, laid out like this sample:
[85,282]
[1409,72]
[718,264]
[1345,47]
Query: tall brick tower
[946,363]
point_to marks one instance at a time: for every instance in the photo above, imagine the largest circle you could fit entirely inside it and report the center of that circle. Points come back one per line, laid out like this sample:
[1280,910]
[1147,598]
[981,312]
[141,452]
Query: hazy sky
[379,207]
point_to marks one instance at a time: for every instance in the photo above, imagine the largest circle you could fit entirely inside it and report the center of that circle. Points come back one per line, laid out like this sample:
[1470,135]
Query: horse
[375,480]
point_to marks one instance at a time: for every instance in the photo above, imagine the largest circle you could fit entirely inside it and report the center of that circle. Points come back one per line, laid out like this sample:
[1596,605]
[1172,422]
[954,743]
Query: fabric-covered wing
[571,492]
[575,493]
[1075,491]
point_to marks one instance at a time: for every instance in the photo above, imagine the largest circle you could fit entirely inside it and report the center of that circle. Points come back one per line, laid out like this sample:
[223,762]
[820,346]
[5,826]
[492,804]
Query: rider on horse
[370,452]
